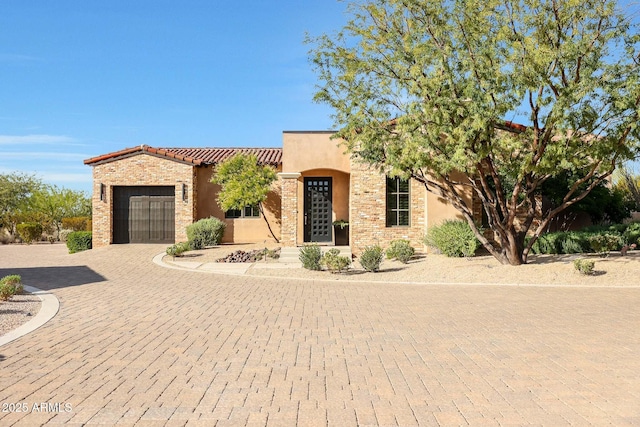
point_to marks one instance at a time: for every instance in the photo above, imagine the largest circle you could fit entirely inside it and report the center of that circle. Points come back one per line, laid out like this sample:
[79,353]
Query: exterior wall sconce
[184,192]
[102,193]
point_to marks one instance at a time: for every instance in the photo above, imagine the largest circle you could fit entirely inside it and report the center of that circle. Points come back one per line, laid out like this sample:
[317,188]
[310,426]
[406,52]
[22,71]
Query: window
[248,212]
[397,202]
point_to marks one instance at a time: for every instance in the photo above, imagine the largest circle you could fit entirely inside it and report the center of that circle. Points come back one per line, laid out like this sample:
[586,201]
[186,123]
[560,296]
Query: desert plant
[371,258]
[10,286]
[76,223]
[178,249]
[310,256]
[29,231]
[51,239]
[335,262]
[605,243]
[454,238]
[401,250]
[206,232]
[584,266]
[78,241]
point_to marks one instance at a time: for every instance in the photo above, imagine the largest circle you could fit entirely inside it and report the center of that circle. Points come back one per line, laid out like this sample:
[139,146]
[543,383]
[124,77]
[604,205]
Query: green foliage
[422,90]
[604,243]
[52,204]
[16,191]
[310,256]
[79,241]
[205,232]
[29,231]
[178,249]
[602,204]
[401,250]
[244,182]
[454,238]
[371,258]
[10,286]
[334,262]
[77,223]
[584,266]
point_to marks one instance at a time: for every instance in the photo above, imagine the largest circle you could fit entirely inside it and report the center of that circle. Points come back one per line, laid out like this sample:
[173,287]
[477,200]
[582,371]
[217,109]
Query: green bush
[310,256]
[77,223]
[605,243]
[206,232]
[29,231]
[79,241]
[178,249]
[335,262]
[454,238]
[401,250]
[10,286]
[584,266]
[371,258]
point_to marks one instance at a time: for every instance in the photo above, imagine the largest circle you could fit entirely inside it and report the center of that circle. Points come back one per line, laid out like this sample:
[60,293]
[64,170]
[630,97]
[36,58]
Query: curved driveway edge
[241,269]
[48,310]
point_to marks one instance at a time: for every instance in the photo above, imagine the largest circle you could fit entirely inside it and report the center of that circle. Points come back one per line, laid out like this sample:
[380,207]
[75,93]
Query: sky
[83,78]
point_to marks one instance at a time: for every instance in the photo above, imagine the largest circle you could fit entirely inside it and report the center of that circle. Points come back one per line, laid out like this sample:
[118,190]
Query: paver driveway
[134,343]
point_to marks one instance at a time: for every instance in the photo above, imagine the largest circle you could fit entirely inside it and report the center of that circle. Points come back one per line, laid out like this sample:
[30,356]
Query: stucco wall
[141,169]
[238,230]
[303,151]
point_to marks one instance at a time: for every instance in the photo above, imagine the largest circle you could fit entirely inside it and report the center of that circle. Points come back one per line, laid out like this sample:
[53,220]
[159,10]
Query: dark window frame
[249,212]
[398,195]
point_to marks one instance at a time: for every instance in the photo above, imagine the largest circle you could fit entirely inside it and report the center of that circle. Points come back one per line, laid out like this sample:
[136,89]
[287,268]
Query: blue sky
[83,78]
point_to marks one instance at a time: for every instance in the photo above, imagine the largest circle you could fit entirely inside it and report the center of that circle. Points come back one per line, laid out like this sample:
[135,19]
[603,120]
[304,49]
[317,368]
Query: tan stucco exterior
[238,230]
[358,194]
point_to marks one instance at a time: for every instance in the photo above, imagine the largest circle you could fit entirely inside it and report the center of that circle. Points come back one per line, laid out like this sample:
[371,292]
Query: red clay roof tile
[195,156]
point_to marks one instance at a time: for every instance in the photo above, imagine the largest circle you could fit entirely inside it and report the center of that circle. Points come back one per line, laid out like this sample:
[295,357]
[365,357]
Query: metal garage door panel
[143,214]
[161,219]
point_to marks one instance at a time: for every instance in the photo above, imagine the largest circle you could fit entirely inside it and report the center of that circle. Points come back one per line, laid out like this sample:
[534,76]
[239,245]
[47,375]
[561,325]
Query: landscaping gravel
[17,311]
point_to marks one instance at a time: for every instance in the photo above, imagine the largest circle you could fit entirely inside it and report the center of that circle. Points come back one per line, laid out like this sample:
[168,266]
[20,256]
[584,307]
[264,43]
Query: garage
[143,214]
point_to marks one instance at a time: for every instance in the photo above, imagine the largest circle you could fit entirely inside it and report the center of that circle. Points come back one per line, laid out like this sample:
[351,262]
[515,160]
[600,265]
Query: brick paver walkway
[136,344]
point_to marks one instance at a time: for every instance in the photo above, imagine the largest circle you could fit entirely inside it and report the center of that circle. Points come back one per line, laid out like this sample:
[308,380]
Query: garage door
[143,214]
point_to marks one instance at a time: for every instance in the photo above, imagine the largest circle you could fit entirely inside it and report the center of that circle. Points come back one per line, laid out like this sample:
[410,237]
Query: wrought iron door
[317,210]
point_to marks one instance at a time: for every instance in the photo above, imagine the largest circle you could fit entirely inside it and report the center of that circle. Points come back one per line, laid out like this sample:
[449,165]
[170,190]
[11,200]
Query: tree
[423,89]
[52,204]
[16,190]
[244,183]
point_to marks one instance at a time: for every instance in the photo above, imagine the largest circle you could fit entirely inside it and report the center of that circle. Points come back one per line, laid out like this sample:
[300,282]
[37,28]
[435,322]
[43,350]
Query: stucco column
[289,229]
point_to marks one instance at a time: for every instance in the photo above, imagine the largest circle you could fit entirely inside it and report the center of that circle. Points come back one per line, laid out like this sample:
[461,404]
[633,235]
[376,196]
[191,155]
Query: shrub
[78,241]
[76,223]
[29,231]
[10,286]
[335,262]
[401,250]
[64,234]
[454,238]
[178,249]
[605,243]
[310,257]
[584,266]
[206,232]
[371,258]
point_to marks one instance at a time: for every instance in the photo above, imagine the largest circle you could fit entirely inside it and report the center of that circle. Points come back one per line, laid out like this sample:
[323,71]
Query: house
[146,194]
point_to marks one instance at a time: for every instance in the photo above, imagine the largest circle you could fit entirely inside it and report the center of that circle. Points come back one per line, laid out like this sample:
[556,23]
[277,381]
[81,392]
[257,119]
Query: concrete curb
[48,310]
[158,260]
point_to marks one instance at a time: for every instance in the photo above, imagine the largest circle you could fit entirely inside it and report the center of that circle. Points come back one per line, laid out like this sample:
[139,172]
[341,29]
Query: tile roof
[195,156]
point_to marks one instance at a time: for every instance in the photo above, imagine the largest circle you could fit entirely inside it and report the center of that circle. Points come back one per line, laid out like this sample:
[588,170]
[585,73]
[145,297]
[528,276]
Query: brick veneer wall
[141,169]
[367,222]
[289,208]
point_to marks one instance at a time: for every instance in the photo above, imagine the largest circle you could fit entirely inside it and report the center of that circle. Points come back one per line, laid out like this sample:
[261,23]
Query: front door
[317,210]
